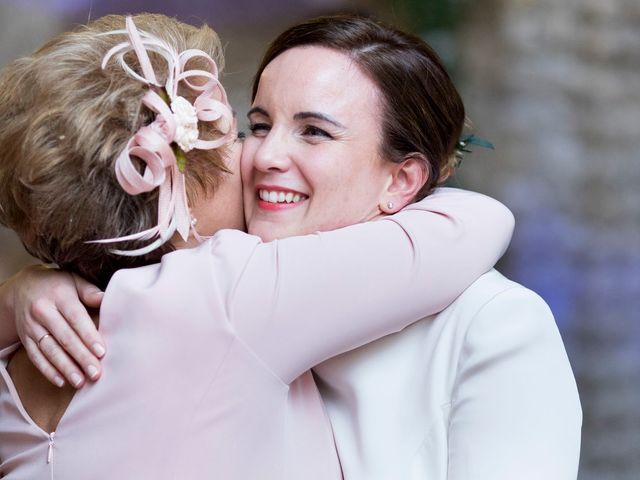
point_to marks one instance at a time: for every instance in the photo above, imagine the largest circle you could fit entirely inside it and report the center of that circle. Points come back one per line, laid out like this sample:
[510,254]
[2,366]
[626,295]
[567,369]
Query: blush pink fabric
[209,351]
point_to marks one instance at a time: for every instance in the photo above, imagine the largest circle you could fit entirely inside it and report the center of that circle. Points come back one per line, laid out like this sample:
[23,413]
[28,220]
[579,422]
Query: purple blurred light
[216,12]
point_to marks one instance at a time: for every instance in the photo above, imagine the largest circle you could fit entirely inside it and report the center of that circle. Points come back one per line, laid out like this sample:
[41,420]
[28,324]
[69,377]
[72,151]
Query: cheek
[353,189]
[357,176]
[336,192]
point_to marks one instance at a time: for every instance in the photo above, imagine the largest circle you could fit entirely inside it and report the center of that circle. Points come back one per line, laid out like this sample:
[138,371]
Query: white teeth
[280,197]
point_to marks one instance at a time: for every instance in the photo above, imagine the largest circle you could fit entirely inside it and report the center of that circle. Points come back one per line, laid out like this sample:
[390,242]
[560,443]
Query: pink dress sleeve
[302,300]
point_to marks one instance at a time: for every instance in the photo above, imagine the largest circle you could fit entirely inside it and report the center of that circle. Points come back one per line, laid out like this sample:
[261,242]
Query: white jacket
[481,391]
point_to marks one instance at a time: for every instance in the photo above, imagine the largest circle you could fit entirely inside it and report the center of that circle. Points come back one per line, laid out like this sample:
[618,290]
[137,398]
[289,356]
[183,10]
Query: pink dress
[209,351]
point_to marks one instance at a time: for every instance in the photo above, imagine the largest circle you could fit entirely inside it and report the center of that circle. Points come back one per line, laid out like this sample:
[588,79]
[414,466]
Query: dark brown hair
[63,122]
[423,113]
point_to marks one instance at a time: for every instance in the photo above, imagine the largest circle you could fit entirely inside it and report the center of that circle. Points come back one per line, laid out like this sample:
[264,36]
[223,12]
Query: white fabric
[481,391]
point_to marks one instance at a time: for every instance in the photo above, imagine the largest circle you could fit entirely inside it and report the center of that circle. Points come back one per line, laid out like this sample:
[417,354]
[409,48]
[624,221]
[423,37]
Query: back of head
[423,113]
[63,122]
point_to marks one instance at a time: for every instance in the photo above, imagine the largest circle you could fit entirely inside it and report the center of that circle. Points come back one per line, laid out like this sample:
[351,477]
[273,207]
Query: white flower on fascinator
[161,146]
[186,117]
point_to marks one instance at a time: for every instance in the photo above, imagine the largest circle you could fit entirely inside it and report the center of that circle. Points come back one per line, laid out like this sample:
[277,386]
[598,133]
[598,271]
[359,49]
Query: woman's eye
[259,129]
[313,131]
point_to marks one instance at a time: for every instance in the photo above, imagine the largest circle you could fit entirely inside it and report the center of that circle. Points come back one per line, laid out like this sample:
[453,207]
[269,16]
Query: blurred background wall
[556,87]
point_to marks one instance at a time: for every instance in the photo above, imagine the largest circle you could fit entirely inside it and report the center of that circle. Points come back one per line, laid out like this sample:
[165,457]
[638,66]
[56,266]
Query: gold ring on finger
[42,338]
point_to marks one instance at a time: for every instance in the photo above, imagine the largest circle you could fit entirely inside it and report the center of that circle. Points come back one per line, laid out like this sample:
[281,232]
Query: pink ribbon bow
[152,144]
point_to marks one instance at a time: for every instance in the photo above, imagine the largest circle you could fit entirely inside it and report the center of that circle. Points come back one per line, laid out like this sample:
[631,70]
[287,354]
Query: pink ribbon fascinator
[161,145]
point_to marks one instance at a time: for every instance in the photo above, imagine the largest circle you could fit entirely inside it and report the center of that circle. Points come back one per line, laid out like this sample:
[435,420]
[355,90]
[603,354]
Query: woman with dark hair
[352,120]
[483,390]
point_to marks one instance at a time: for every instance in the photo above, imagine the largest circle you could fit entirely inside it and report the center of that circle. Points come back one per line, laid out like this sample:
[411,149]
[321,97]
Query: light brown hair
[423,114]
[63,122]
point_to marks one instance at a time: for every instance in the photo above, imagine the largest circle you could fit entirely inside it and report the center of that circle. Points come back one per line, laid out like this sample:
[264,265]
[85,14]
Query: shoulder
[495,295]
[496,301]
[495,312]
[510,333]
[228,249]
[500,322]
[188,281]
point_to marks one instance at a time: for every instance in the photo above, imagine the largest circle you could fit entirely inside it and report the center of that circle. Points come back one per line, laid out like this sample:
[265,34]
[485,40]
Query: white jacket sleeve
[515,411]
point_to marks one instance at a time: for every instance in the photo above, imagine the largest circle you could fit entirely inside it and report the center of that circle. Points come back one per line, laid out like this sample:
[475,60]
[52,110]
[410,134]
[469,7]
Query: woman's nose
[272,154]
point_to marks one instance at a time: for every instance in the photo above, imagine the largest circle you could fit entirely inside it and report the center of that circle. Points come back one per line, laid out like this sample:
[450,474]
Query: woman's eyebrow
[259,110]
[319,116]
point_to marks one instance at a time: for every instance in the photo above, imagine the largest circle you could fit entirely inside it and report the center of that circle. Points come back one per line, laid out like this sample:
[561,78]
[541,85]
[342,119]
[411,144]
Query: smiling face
[312,162]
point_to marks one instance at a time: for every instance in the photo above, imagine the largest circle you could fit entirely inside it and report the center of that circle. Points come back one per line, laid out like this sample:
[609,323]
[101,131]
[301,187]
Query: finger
[42,364]
[89,294]
[83,325]
[46,318]
[61,361]
[67,338]
[80,320]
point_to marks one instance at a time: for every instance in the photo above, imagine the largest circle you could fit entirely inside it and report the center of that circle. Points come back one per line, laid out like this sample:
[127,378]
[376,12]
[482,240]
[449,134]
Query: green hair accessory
[464,143]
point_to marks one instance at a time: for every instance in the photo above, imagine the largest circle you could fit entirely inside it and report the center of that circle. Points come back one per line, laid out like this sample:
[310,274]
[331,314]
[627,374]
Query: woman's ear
[405,181]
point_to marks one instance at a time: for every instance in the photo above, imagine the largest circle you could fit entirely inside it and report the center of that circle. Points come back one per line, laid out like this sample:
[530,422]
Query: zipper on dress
[50,450]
